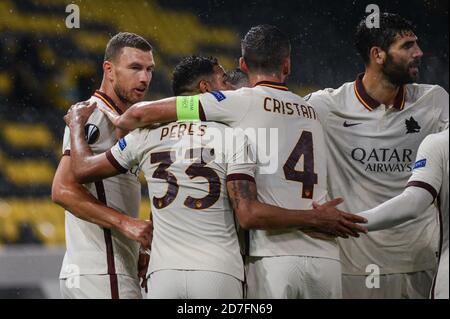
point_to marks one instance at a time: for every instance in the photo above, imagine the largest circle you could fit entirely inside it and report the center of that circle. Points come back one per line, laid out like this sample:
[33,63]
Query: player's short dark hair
[189,71]
[264,48]
[237,77]
[122,40]
[390,25]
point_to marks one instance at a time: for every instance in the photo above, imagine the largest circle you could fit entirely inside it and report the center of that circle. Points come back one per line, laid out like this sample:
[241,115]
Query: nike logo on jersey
[350,124]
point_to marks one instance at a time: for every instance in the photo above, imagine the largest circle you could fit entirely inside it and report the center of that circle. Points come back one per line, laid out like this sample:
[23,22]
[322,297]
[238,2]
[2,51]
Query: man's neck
[257,77]
[108,90]
[379,88]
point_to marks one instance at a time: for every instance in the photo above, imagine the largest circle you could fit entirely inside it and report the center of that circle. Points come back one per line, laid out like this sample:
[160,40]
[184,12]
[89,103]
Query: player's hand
[111,115]
[138,230]
[79,113]
[144,259]
[332,221]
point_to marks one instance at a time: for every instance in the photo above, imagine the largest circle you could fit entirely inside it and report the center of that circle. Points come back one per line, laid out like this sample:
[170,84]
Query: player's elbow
[81,176]
[245,223]
[247,217]
[58,194]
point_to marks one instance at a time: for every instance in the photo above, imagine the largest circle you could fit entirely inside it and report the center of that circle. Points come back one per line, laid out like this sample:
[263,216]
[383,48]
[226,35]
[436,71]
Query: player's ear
[377,55]
[286,70]
[204,86]
[243,65]
[108,69]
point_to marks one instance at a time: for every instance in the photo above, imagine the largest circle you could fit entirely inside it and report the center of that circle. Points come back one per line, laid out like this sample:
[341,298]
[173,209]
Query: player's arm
[442,107]
[73,197]
[86,166]
[144,113]
[225,109]
[253,214]
[422,189]
[402,208]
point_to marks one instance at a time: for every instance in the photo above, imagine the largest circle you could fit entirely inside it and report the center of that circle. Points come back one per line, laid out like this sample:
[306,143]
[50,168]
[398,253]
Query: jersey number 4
[304,147]
[202,156]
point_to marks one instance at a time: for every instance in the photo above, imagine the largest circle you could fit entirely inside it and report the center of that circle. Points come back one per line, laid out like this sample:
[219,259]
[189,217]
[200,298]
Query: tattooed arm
[326,218]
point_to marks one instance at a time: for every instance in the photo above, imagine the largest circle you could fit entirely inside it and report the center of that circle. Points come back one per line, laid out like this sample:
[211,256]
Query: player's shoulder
[417,91]
[441,136]
[435,140]
[96,115]
[228,94]
[331,96]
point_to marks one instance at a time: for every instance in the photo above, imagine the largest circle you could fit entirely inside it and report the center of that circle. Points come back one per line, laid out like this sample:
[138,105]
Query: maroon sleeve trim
[66,153]
[424,185]
[240,177]
[114,162]
[201,112]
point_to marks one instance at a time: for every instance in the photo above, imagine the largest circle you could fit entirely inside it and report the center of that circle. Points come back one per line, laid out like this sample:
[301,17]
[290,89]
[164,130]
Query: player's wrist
[121,223]
[309,219]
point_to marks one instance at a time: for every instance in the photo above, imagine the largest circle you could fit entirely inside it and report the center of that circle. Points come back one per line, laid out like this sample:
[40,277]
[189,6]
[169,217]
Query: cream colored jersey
[287,138]
[372,150]
[431,173]
[91,249]
[186,166]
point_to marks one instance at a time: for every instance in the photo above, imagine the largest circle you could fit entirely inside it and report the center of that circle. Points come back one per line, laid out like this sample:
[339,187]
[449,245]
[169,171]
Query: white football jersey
[371,151]
[186,165]
[287,138]
[92,249]
[431,173]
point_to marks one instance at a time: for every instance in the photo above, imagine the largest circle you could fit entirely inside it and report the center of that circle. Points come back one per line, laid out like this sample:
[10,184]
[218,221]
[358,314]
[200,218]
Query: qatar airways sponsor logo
[383,160]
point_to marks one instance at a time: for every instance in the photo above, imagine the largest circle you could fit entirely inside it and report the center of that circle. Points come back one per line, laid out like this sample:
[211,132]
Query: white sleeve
[128,151]
[406,206]
[228,107]
[241,162]
[66,142]
[441,103]
[427,172]
[320,102]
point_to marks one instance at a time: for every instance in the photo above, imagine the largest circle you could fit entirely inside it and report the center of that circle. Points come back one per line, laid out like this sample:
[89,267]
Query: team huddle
[256,192]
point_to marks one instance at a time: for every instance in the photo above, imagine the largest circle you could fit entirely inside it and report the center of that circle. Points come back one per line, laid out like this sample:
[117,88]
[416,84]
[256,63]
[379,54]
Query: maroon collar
[369,102]
[274,85]
[108,101]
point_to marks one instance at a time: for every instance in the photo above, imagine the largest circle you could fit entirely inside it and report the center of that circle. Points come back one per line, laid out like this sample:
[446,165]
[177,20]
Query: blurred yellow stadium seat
[26,135]
[5,83]
[46,218]
[29,172]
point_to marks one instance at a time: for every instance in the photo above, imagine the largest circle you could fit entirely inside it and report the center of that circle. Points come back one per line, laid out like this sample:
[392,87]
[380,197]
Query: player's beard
[398,74]
[123,96]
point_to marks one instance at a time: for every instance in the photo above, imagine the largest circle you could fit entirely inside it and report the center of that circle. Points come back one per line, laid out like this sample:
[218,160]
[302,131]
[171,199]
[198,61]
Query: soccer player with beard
[373,128]
[195,251]
[283,261]
[102,243]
